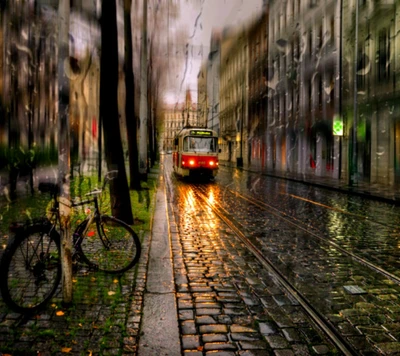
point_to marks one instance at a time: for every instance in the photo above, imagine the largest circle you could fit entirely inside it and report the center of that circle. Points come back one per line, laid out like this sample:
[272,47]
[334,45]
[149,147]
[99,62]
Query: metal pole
[353,163]
[340,84]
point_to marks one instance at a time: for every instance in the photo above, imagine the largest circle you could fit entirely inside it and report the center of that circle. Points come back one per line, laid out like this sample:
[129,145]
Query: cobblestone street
[224,300]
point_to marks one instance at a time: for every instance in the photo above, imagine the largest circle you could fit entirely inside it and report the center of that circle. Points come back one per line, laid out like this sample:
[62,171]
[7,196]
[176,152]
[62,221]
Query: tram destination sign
[200,133]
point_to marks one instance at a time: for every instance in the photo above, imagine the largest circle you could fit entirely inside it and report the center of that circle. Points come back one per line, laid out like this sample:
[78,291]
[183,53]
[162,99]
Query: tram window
[200,144]
[186,144]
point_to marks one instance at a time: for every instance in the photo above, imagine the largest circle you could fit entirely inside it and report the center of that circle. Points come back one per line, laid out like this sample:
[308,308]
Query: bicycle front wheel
[109,244]
[31,268]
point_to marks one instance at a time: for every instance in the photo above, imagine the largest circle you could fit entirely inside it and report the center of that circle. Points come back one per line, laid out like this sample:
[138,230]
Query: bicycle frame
[94,215]
[34,255]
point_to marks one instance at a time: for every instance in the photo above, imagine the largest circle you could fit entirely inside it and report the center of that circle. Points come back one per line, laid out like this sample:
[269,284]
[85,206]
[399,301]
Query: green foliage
[22,158]
[100,300]
[31,207]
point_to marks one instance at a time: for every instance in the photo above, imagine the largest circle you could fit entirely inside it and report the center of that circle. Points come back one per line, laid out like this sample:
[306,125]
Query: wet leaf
[66,349]
[115,281]
[111,292]
[60,313]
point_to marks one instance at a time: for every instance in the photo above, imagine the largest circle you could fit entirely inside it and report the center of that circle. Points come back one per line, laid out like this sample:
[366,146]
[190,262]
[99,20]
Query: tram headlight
[211,163]
[191,162]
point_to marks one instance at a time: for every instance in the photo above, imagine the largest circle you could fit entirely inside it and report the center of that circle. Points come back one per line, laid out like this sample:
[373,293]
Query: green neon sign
[337,126]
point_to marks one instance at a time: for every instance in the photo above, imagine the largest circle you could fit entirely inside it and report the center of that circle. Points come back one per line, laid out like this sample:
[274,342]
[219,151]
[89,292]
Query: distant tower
[188,107]
[188,99]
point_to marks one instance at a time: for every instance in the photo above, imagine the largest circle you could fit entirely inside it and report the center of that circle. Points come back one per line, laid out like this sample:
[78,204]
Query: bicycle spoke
[112,246]
[32,270]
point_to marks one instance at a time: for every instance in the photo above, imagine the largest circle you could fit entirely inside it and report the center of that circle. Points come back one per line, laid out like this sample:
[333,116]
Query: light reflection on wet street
[339,251]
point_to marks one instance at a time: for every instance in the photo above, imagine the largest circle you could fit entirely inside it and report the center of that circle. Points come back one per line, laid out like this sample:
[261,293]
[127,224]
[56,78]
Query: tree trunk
[143,97]
[120,198]
[131,125]
[64,150]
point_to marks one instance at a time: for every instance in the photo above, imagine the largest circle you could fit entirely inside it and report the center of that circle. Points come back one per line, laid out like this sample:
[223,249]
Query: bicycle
[31,263]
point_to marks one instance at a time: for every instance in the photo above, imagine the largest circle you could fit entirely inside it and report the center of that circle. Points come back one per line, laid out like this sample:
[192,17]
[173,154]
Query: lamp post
[353,154]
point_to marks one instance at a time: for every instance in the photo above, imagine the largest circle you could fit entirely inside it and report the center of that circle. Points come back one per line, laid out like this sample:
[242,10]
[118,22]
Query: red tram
[196,152]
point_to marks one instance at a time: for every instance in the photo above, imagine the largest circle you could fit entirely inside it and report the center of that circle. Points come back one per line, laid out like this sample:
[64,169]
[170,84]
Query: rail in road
[371,290]
[336,338]
[345,288]
[354,252]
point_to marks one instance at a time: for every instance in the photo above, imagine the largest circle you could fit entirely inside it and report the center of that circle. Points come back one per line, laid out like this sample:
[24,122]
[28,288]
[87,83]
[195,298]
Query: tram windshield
[199,144]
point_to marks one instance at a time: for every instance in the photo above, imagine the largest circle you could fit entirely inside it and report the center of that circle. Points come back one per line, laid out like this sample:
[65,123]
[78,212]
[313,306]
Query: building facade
[233,96]
[212,81]
[175,118]
[303,85]
[257,93]
[371,49]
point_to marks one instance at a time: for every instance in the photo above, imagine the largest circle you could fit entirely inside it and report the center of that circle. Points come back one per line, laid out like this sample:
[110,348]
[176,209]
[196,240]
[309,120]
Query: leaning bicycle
[31,263]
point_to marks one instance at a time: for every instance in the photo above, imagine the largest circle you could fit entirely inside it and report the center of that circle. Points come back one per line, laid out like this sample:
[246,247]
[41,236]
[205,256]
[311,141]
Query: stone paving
[104,319]
[227,304]
[327,276]
[226,301]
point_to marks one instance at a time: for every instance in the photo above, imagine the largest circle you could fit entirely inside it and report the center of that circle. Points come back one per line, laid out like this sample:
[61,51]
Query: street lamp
[353,156]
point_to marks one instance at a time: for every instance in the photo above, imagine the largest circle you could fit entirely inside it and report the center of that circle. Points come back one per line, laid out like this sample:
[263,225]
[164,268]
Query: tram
[195,152]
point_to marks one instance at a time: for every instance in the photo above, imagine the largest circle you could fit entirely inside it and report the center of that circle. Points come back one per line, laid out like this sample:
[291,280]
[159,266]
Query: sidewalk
[159,325]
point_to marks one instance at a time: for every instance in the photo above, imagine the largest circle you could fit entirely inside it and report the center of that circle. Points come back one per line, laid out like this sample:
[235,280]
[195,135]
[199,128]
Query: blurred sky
[200,17]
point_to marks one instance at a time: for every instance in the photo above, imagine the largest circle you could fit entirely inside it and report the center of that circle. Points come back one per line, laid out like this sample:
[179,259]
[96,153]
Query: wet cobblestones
[319,270]
[226,301]
[100,323]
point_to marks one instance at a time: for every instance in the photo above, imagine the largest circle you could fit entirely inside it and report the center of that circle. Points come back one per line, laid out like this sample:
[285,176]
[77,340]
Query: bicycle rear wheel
[109,244]
[31,268]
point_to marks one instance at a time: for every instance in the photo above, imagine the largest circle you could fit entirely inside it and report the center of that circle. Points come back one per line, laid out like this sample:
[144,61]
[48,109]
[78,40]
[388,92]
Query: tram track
[372,218]
[314,271]
[314,232]
[357,216]
[328,328]
[337,340]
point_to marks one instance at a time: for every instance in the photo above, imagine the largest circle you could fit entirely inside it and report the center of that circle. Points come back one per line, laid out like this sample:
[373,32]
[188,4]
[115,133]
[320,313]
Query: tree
[131,124]
[120,198]
[143,144]
[64,150]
